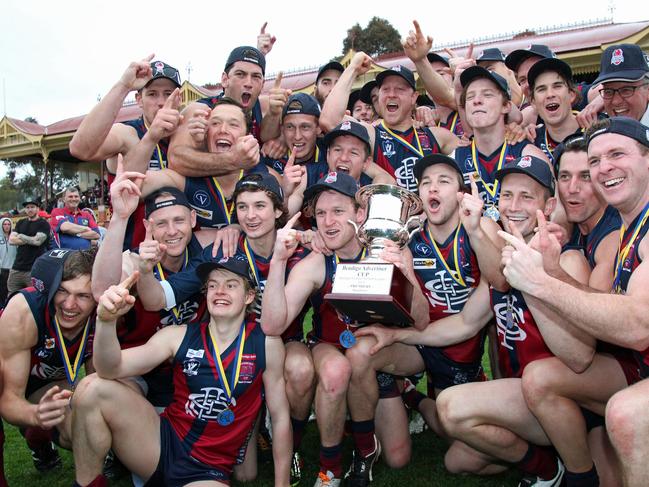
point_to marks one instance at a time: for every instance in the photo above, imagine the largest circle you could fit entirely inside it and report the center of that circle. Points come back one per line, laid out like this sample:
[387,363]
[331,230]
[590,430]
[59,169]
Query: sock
[583,479]
[298,431]
[100,481]
[37,438]
[412,398]
[363,433]
[331,459]
[540,461]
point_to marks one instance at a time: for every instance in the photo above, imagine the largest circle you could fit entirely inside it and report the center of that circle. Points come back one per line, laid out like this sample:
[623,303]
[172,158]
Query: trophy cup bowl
[372,290]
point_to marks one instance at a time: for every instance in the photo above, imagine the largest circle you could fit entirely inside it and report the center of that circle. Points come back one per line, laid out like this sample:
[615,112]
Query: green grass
[425,469]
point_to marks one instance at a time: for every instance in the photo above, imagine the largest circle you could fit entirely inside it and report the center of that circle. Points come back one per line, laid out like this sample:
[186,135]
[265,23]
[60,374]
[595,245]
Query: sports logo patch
[396,68]
[331,178]
[50,343]
[388,148]
[191,353]
[525,161]
[346,125]
[58,253]
[201,198]
[159,68]
[618,57]
[38,284]
[190,367]
[423,249]
[294,107]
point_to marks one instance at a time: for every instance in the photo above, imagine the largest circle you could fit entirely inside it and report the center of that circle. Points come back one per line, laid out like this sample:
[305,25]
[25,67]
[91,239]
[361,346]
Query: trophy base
[371,308]
[372,293]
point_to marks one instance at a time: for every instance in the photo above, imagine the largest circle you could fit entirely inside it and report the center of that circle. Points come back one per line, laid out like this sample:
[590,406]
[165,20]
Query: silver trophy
[373,290]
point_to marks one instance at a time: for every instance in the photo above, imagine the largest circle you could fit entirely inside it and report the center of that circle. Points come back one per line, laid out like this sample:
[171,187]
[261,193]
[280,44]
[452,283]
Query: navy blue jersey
[199,396]
[446,291]
[610,221]
[453,124]
[46,362]
[135,231]
[210,101]
[397,152]
[519,339]
[547,144]
[487,166]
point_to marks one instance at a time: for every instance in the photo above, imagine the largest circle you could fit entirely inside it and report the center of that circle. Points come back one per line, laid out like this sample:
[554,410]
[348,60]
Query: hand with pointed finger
[417,45]
[265,41]
[125,192]
[116,300]
[197,127]
[456,62]
[514,133]
[167,119]
[287,239]
[227,239]
[277,96]
[246,151]
[523,269]
[471,206]
[137,74]
[361,63]
[151,251]
[547,244]
[52,407]
[293,174]
[384,336]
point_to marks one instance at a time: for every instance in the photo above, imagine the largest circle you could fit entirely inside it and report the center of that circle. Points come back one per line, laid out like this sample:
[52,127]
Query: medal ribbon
[492,189]
[71,370]
[457,277]
[251,261]
[404,142]
[163,164]
[623,252]
[161,277]
[217,192]
[236,367]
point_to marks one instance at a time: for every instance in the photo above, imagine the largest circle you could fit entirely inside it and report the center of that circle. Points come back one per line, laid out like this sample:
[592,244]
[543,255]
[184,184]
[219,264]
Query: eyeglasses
[624,92]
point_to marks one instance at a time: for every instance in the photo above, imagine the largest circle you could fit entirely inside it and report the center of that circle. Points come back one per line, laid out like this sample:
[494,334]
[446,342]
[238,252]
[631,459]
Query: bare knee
[359,355]
[397,454]
[334,375]
[450,410]
[299,373]
[624,417]
[539,380]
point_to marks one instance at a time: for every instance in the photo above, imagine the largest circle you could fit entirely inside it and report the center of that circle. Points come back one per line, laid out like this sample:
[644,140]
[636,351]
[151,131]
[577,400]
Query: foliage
[379,37]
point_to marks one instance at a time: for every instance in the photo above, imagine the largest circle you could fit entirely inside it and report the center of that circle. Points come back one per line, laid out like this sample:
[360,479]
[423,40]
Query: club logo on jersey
[185,312]
[84,222]
[191,353]
[513,332]
[50,343]
[388,148]
[423,249]
[191,366]
[43,353]
[201,198]
[346,125]
[443,292]
[525,161]
[618,57]
[424,140]
[207,403]
[404,175]
[248,368]
[468,164]
[331,178]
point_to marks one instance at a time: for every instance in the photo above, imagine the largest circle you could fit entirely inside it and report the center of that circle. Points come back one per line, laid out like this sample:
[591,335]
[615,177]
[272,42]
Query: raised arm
[95,138]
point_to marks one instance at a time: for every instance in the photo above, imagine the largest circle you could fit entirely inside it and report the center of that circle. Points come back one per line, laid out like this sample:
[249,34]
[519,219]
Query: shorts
[593,420]
[444,372]
[177,467]
[387,385]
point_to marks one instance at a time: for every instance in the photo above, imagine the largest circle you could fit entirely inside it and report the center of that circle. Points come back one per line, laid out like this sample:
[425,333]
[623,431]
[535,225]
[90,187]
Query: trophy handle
[415,228]
[353,224]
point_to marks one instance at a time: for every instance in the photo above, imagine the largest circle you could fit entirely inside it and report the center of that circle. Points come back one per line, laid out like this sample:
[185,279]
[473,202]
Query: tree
[379,37]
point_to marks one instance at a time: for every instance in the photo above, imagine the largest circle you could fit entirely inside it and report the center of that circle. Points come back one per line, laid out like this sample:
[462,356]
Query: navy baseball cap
[301,104]
[425,101]
[431,160]
[399,70]
[515,58]
[354,96]
[32,201]
[555,65]
[366,92]
[478,72]
[262,180]
[177,198]
[536,168]
[335,181]
[248,54]
[629,127]
[434,57]
[491,54]
[349,127]
[237,265]
[160,69]
[335,65]
[622,62]
[47,271]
